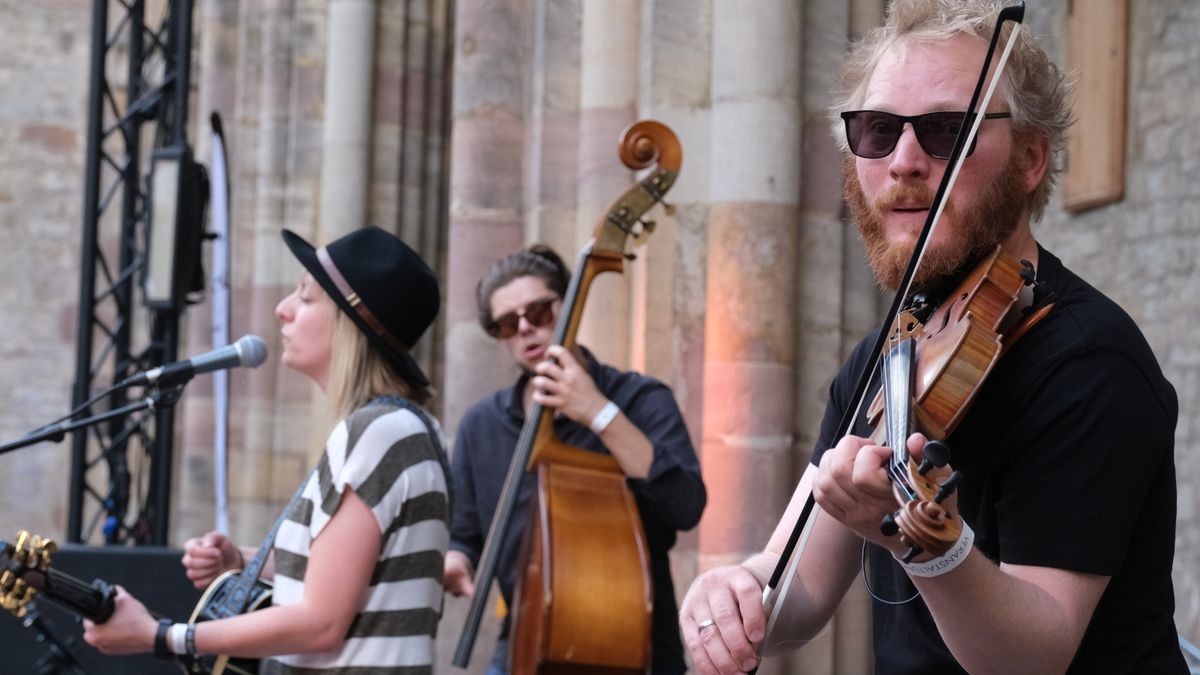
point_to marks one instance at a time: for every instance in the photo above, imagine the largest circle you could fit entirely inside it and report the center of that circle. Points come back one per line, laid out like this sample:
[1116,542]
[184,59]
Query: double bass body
[577,609]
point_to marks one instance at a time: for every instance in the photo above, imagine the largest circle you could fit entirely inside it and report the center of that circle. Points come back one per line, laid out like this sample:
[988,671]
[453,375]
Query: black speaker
[152,574]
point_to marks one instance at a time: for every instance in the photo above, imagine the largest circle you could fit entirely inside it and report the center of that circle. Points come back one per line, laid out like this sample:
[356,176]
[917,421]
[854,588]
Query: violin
[584,597]
[932,370]
[932,362]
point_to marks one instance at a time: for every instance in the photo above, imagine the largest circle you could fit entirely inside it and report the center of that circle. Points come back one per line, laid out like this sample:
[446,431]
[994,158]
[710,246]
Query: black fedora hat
[381,284]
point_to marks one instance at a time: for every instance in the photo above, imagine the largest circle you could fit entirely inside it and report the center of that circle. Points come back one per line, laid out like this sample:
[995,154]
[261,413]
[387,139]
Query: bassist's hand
[458,574]
[563,383]
[208,557]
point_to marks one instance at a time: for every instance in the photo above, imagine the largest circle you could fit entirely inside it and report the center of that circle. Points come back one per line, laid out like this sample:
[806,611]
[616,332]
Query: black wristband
[161,651]
[189,639]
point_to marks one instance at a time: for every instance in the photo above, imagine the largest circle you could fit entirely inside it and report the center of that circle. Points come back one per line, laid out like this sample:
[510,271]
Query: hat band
[357,304]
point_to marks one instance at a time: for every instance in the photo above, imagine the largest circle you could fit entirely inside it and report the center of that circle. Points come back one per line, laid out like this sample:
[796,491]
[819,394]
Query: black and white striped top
[387,455]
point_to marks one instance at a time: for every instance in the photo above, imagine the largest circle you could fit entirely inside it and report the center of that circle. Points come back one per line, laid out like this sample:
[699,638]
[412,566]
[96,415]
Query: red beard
[973,231]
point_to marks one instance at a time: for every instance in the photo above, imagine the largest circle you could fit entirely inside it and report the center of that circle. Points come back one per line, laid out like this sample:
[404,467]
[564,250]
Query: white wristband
[953,558]
[604,418]
[176,637]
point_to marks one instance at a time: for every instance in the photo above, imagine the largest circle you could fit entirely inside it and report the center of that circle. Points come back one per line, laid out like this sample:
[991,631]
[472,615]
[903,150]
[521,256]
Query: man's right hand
[208,557]
[458,574]
[731,599]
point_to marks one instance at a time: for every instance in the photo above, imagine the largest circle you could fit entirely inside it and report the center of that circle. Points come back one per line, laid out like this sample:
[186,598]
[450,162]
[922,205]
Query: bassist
[601,409]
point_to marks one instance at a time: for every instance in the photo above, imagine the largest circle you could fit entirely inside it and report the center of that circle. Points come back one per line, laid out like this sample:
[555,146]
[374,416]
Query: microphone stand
[59,658]
[153,400]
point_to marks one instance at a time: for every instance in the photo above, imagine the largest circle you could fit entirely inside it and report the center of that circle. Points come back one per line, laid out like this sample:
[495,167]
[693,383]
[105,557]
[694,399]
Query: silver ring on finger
[707,623]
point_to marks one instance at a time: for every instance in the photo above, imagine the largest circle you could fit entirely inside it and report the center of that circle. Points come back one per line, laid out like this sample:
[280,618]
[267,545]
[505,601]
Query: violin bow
[780,582]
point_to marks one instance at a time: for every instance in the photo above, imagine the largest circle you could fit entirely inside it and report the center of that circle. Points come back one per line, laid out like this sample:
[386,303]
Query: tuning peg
[946,489]
[640,234]
[668,208]
[1028,273]
[889,527]
[937,454]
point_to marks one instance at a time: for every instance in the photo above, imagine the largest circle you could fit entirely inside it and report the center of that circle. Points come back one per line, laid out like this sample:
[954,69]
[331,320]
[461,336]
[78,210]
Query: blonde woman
[357,558]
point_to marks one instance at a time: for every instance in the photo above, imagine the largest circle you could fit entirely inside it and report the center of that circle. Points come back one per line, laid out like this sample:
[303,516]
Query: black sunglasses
[538,313]
[873,134]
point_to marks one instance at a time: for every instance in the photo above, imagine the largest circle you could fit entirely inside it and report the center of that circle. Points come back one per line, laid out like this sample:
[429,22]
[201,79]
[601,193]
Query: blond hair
[359,372]
[1037,92]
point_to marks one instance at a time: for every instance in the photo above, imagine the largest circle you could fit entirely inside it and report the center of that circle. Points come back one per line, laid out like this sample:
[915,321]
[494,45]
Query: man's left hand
[853,486]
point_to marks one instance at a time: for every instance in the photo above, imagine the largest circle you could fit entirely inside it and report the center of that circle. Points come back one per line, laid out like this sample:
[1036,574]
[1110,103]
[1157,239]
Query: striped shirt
[386,454]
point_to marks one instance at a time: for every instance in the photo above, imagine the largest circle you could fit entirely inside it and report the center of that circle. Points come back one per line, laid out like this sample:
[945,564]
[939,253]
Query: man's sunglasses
[873,134]
[538,313]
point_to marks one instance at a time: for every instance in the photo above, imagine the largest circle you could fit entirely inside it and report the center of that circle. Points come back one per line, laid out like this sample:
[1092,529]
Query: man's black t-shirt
[1067,457]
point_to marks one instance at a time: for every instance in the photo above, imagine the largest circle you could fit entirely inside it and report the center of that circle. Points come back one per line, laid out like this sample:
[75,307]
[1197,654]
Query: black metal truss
[121,470]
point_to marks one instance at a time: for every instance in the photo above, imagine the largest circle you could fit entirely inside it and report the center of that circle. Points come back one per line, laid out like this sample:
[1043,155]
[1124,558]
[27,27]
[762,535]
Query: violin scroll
[923,523]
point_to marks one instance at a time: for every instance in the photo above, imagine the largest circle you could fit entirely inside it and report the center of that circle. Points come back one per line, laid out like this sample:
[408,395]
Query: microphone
[249,351]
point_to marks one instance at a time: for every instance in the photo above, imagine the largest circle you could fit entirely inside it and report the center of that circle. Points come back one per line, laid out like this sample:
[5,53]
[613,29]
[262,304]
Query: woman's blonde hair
[1037,92]
[358,372]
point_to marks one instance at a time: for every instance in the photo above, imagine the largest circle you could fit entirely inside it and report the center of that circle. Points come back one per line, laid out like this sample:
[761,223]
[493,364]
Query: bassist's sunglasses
[872,134]
[538,313]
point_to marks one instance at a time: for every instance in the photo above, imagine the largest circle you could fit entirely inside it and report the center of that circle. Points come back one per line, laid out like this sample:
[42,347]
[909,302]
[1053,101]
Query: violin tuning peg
[946,489]
[668,208]
[889,527]
[1028,273]
[937,454]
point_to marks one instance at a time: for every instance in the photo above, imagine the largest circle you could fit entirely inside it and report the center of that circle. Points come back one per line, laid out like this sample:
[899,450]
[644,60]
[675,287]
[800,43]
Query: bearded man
[1067,504]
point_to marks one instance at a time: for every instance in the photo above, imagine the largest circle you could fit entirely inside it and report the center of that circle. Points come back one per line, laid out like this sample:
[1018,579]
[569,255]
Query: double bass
[584,595]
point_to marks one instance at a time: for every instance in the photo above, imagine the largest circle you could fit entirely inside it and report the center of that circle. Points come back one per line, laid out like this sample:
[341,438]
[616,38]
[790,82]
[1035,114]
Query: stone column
[608,99]
[668,279]
[193,503]
[408,133]
[261,188]
[487,167]
[750,352]
[345,141]
[488,115]
[830,265]
[552,149]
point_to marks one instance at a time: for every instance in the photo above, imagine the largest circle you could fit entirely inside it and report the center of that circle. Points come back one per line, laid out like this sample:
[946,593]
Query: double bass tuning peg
[647,227]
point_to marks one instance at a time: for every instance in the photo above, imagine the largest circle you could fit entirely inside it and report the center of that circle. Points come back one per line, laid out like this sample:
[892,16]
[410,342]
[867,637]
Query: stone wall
[1143,250]
[43,98]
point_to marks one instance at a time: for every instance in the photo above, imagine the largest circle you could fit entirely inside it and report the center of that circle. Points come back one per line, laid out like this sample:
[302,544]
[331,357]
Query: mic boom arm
[249,351]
